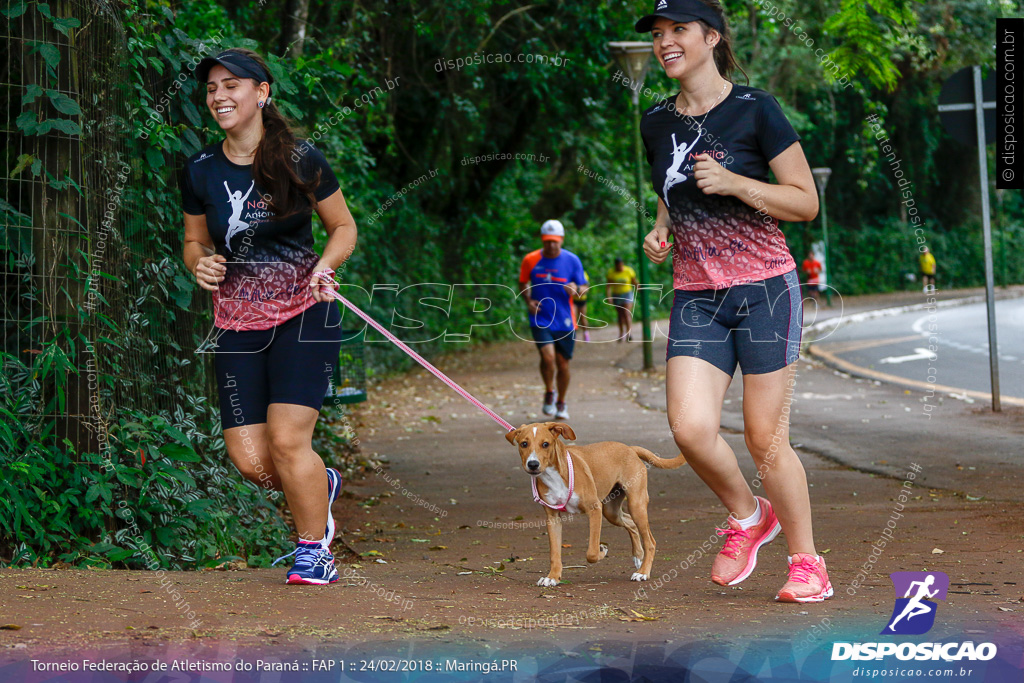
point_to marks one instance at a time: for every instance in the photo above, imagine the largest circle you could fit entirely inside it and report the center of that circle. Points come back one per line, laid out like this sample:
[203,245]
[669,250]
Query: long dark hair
[272,167]
[725,60]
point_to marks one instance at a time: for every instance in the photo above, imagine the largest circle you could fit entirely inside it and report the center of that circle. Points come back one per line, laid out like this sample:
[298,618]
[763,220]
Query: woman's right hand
[656,244]
[209,272]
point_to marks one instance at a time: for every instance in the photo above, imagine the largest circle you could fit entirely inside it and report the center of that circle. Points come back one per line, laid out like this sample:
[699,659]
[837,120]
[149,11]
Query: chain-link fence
[83,266]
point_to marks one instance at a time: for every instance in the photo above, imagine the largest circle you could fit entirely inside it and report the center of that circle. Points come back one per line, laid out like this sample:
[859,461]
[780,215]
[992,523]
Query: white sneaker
[549,403]
[563,412]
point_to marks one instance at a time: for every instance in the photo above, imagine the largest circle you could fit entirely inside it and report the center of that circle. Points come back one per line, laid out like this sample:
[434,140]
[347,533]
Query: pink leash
[326,277]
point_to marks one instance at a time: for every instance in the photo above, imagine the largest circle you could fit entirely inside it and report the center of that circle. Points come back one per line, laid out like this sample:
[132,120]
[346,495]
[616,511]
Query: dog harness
[572,479]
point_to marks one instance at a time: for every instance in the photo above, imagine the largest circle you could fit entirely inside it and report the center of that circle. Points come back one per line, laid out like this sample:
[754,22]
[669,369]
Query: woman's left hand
[320,285]
[712,178]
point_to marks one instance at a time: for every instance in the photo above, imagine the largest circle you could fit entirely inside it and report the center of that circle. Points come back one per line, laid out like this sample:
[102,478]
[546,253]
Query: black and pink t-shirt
[269,262]
[719,241]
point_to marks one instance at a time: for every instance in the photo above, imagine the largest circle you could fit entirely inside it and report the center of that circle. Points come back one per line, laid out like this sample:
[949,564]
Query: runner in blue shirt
[548,279]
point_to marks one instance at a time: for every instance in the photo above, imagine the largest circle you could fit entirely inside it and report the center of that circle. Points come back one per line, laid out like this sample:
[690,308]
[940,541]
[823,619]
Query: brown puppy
[606,475]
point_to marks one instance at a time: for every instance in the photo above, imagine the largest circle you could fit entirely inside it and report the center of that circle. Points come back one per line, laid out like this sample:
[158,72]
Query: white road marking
[919,354]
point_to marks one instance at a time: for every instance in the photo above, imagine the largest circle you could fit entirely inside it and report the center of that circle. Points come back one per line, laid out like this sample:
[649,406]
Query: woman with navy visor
[248,239]
[737,296]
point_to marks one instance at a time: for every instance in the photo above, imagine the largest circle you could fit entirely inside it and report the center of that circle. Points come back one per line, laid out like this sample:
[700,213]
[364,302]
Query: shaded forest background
[473,223]
[413,122]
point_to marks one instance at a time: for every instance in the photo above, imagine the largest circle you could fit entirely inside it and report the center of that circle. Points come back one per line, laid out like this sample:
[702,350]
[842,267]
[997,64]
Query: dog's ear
[563,430]
[512,436]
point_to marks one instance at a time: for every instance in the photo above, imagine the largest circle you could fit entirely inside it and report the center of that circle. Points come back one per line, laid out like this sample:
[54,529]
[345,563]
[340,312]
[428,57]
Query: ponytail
[725,60]
[272,167]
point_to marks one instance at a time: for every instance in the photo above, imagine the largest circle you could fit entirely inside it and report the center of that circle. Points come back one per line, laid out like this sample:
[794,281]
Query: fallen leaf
[10,627]
[438,547]
[633,615]
[236,565]
[567,545]
[937,551]
[1005,609]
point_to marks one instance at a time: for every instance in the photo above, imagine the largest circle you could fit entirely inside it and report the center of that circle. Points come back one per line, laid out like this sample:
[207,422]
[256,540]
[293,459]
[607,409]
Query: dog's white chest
[558,492]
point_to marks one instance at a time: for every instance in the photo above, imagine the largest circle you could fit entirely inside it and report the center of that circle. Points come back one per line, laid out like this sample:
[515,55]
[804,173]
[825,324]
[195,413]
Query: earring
[261,105]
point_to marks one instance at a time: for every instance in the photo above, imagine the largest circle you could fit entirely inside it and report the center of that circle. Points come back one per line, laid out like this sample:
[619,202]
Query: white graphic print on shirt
[235,223]
[673,175]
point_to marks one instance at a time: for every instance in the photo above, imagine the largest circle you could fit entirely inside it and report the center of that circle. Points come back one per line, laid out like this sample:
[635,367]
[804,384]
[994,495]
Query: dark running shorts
[289,363]
[564,341]
[757,325]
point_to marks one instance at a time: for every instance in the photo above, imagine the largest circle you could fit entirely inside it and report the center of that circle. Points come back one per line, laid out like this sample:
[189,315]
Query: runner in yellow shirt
[619,289]
[927,268]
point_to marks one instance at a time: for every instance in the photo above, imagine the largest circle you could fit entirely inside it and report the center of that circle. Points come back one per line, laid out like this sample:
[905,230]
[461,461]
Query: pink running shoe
[808,580]
[738,557]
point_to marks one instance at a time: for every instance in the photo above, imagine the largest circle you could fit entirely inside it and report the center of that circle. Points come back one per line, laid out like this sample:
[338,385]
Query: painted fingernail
[662,245]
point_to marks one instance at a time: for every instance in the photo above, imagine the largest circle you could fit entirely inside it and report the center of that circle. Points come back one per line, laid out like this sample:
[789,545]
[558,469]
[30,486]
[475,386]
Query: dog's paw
[637,576]
[637,561]
[547,582]
[604,550]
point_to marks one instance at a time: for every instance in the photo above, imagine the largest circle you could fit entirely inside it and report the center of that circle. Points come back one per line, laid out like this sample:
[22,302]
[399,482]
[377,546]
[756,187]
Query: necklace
[700,126]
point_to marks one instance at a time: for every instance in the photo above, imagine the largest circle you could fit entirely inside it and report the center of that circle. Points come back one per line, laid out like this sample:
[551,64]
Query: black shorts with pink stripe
[756,325]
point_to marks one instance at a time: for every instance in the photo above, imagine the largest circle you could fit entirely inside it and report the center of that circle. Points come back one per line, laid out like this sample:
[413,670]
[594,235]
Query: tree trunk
[293,34]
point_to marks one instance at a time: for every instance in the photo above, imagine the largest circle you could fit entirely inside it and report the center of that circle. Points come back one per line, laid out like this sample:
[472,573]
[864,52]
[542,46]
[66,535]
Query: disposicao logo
[914,614]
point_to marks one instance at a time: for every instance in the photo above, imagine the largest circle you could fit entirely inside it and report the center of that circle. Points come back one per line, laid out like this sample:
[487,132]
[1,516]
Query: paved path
[462,573]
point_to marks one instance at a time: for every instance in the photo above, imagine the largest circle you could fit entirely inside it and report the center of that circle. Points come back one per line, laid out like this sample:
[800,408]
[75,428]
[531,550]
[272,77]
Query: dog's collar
[572,480]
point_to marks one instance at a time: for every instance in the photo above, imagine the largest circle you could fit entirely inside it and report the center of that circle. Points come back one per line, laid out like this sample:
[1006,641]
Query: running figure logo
[235,223]
[914,613]
[673,176]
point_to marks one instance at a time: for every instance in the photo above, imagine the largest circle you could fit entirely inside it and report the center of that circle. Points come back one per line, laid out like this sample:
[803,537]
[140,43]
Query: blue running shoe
[314,564]
[333,491]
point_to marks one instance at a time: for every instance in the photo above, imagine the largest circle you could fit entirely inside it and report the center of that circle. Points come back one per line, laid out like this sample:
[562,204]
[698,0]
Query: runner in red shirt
[812,269]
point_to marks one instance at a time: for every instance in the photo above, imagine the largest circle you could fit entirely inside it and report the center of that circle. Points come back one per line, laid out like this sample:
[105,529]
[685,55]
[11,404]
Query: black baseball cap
[235,62]
[682,11]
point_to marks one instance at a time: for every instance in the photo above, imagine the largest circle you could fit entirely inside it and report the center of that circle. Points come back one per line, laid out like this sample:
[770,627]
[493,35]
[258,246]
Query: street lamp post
[634,58]
[821,176]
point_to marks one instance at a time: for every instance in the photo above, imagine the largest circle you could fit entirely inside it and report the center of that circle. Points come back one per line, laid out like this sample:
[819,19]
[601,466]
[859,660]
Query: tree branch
[500,22]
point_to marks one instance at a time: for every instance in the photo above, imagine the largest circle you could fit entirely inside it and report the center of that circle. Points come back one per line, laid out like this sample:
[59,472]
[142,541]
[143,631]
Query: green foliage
[879,257]
[868,30]
[467,223]
[156,489]
[106,443]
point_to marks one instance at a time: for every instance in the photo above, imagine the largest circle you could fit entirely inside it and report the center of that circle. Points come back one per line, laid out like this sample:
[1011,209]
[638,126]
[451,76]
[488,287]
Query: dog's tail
[661,463]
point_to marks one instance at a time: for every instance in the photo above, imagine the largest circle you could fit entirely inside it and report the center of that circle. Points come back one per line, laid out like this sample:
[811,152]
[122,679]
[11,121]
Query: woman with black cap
[249,240]
[737,296]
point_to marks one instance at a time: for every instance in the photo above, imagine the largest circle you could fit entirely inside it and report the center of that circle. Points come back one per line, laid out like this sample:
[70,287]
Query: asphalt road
[898,346]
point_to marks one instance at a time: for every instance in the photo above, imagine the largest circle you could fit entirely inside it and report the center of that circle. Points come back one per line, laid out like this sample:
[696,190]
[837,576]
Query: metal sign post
[954,89]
